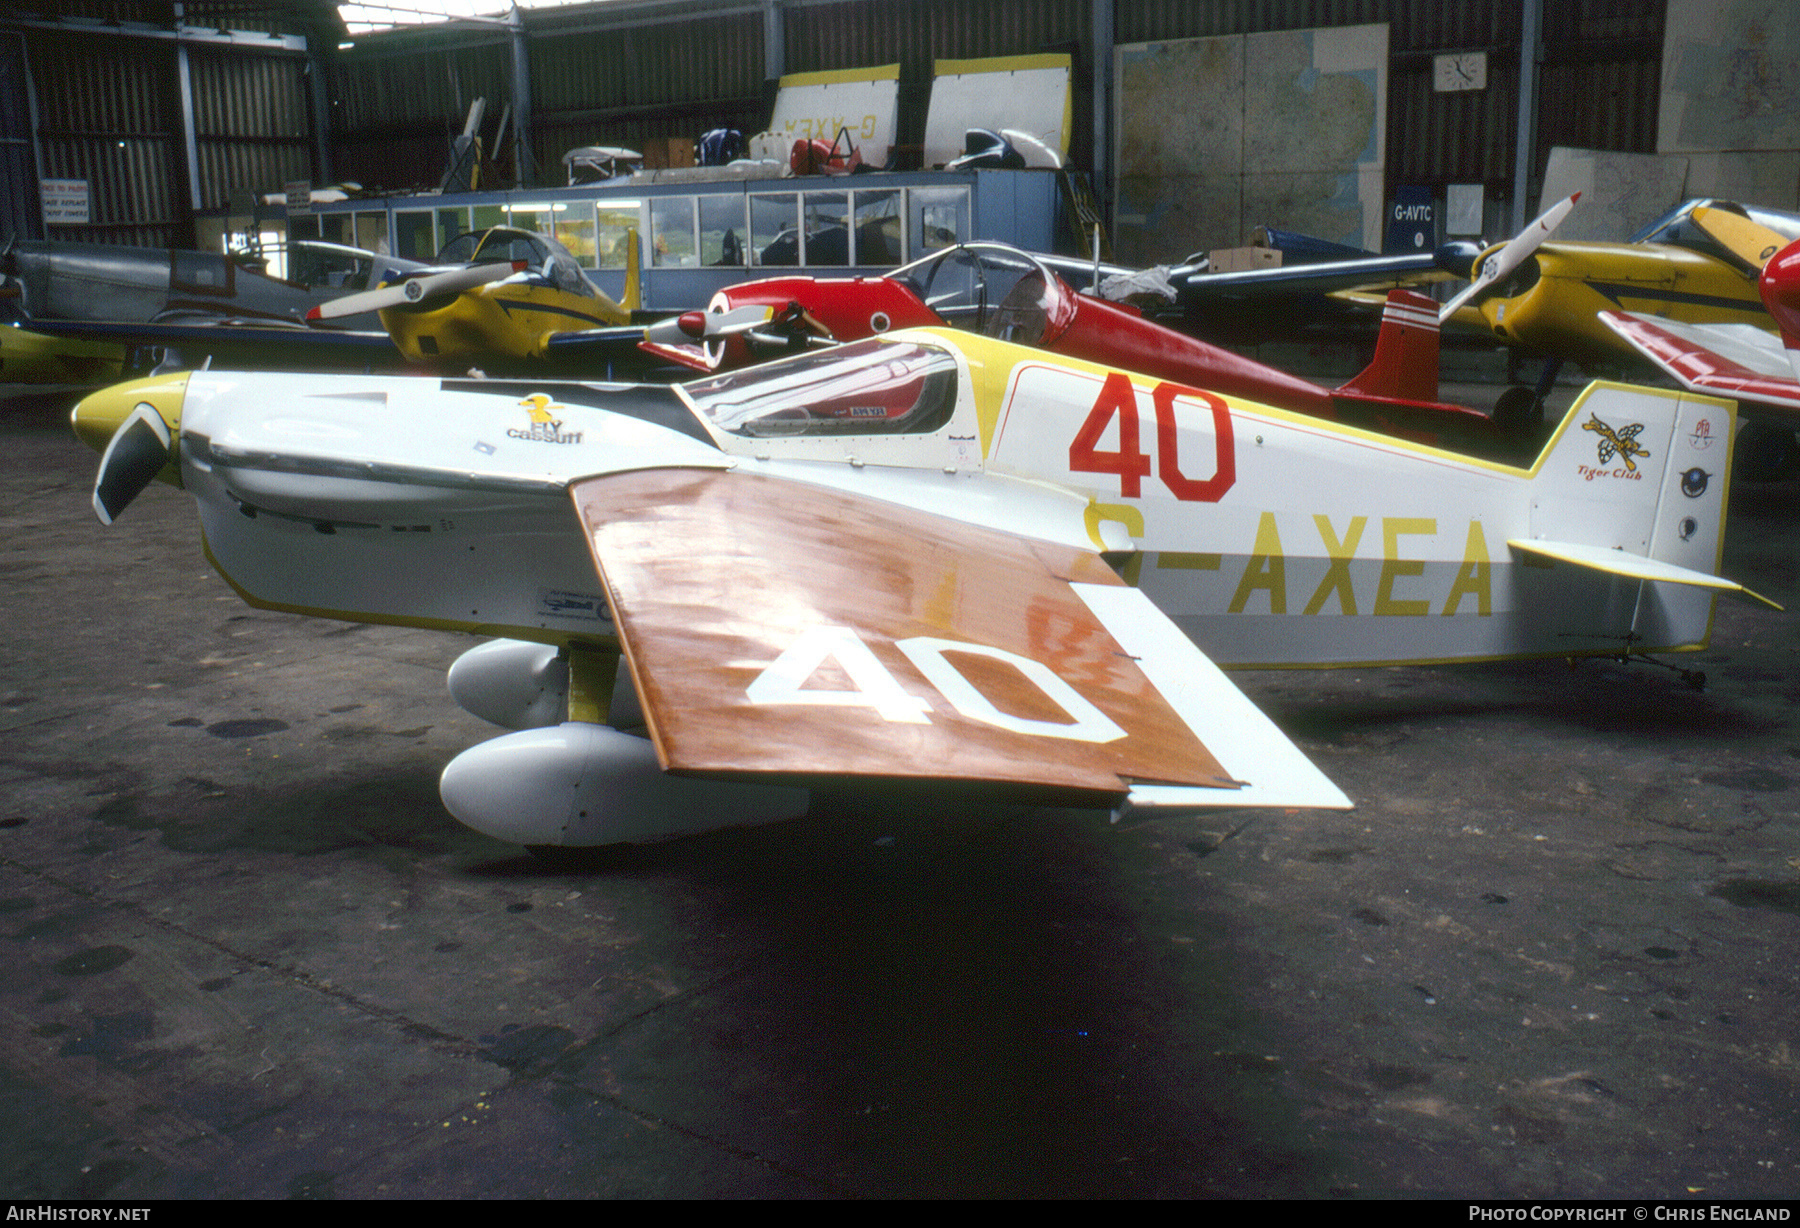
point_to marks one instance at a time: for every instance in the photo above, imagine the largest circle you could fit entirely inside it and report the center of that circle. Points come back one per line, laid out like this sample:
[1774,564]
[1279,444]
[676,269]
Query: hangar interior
[250,954]
[1195,121]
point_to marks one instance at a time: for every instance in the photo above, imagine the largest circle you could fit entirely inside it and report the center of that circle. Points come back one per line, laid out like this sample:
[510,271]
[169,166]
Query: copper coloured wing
[780,629]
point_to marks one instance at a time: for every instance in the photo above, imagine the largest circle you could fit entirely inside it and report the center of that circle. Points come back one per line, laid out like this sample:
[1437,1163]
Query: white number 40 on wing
[875,687]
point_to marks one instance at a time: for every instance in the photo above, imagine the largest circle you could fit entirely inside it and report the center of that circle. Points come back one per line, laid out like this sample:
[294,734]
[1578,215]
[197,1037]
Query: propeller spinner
[416,289]
[136,428]
[691,326]
[1497,266]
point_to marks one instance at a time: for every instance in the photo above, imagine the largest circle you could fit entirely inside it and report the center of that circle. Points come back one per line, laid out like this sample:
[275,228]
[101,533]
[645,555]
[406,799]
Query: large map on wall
[1219,135]
[1728,98]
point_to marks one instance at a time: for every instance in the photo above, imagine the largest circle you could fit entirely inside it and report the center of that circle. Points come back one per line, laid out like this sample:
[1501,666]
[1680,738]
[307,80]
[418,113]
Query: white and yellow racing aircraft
[929,555]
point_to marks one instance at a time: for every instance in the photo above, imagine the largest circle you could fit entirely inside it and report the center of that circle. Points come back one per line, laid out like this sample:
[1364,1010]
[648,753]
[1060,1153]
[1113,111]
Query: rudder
[1643,471]
[1405,366]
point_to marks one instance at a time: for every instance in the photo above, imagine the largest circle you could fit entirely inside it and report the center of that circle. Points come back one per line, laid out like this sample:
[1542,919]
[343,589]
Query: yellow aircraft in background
[28,357]
[503,300]
[515,297]
[1697,264]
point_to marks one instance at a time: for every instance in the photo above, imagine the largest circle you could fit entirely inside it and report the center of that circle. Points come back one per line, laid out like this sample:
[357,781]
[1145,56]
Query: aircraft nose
[1780,287]
[136,428]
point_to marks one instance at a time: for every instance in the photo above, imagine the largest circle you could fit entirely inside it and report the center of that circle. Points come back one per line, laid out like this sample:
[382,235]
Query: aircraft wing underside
[1285,281]
[612,337]
[262,343]
[616,343]
[786,630]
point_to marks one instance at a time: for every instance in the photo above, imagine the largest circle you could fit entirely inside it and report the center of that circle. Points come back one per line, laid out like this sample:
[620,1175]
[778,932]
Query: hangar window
[450,223]
[575,231]
[366,230]
[939,218]
[879,241]
[775,229]
[827,217]
[371,232]
[616,224]
[722,231]
[868,388]
[414,234]
[418,233]
[672,232]
[541,216]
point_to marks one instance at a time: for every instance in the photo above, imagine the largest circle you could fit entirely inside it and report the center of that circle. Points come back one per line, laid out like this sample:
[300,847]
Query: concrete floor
[247,953]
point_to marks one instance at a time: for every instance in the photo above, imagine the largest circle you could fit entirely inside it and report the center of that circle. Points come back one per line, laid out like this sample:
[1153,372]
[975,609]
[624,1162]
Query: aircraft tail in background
[1405,367]
[633,297]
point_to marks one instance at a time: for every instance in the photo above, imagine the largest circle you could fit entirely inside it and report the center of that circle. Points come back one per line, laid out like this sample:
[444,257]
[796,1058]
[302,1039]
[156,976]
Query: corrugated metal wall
[597,76]
[675,78]
[108,112]
[252,122]
[1601,80]
[397,103]
[21,214]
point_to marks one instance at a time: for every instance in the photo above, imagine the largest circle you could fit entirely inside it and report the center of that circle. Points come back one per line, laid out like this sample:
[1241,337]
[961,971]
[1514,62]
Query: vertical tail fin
[1639,470]
[1635,474]
[1405,367]
[633,299]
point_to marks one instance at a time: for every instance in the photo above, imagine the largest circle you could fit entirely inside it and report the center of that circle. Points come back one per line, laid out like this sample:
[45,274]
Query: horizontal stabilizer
[1632,566]
[616,342]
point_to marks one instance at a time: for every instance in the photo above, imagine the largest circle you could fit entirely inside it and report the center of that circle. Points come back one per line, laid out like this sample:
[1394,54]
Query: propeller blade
[416,289]
[137,452]
[691,326]
[1510,257]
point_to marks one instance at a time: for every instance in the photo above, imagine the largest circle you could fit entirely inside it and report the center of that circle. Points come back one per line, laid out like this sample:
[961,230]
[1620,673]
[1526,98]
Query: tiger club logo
[1621,443]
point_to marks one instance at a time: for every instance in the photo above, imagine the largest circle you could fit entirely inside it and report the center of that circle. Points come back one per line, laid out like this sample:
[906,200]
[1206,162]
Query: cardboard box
[665,152]
[1240,259]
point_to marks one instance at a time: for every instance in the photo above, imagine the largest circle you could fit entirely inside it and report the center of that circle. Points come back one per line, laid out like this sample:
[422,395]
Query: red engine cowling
[1780,289]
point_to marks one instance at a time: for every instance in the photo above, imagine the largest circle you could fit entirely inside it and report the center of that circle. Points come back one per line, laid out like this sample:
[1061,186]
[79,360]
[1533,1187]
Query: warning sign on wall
[65,201]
